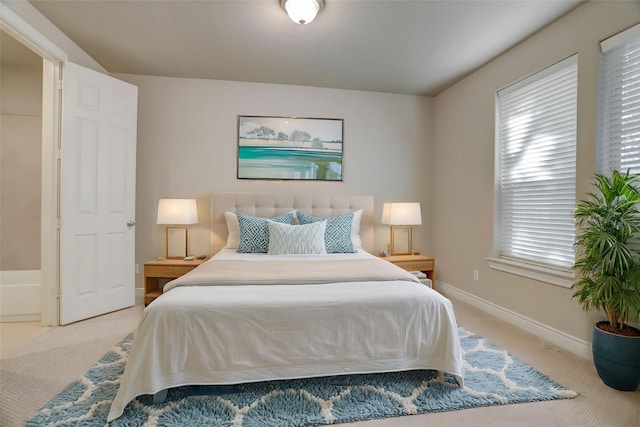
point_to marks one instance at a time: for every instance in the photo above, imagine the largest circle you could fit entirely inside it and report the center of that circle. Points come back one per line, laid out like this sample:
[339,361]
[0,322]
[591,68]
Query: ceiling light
[302,11]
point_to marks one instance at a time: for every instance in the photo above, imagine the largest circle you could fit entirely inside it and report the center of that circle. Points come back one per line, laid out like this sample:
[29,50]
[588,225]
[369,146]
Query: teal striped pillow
[296,239]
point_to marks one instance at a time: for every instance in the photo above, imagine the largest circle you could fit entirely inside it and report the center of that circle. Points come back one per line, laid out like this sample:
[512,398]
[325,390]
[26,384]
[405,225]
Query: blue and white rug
[492,377]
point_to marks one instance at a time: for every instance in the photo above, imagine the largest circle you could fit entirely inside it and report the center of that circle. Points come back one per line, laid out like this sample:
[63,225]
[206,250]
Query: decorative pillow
[254,232]
[233,230]
[337,236]
[355,229]
[296,239]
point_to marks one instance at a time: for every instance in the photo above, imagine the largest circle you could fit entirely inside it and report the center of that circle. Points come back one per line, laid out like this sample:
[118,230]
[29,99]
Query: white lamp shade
[302,11]
[401,214]
[177,211]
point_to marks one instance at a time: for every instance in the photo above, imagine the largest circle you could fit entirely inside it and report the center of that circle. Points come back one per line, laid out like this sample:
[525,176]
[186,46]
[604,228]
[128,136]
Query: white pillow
[233,229]
[296,239]
[355,229]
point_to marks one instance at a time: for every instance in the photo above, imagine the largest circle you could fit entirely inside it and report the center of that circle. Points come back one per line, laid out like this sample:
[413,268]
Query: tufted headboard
[269,205]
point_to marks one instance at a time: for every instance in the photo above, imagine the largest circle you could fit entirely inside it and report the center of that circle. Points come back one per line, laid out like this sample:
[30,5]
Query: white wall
[464,157]
[20,166]
[187,142]
[33,17]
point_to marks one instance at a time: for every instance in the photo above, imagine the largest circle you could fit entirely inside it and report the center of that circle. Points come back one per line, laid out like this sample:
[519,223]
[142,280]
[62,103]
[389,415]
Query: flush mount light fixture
[302,11]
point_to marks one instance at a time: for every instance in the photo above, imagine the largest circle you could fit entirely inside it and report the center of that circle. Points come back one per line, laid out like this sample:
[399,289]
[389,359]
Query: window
[618,133]
[535,174]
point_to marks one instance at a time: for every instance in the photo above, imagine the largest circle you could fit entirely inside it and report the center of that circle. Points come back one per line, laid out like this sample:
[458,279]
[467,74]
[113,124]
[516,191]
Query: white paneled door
[97,194]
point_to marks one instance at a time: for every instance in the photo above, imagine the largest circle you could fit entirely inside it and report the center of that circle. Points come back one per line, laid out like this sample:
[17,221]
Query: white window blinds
[536,167]
[618,126]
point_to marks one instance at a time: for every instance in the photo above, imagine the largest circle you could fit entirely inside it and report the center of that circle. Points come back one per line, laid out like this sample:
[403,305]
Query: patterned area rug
[492,377]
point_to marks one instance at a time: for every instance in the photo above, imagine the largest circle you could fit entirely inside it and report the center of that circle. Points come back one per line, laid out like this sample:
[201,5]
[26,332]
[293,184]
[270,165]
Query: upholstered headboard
[269,205]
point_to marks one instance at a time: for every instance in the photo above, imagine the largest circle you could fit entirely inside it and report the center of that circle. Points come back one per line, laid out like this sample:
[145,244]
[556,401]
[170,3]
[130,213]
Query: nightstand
[164,269]
[426,264]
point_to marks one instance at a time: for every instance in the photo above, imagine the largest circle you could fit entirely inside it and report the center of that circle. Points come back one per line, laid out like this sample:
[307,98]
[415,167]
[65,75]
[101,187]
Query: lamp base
[177,242]
[404,240]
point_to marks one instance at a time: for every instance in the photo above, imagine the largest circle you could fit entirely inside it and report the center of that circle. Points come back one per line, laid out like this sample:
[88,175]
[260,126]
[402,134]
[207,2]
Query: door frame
[53,58]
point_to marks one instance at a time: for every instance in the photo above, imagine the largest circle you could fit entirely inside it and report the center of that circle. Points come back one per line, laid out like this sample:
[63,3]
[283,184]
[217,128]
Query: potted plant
[609,280]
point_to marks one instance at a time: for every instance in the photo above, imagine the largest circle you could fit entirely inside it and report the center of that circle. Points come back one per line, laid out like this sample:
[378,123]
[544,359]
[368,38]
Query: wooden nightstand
[164,269]
[426,264]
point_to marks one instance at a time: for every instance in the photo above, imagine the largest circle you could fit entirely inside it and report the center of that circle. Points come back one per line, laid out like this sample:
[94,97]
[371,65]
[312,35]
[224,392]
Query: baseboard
[20,296]
[556,337]
[19,318]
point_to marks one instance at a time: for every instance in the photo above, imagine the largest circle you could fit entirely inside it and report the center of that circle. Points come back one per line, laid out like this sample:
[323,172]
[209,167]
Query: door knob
[131,223]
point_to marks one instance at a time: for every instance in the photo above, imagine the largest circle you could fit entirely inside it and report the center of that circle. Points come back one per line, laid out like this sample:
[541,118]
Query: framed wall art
[290,148]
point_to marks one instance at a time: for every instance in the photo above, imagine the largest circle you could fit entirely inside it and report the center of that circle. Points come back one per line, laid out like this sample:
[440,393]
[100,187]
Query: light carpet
[492,377]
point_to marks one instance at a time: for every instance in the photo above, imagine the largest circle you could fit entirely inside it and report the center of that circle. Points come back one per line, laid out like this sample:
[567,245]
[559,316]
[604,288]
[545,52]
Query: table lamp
[401,216]
[177,214]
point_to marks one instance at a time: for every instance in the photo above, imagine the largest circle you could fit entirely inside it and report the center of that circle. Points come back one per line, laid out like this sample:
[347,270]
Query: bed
[302,309]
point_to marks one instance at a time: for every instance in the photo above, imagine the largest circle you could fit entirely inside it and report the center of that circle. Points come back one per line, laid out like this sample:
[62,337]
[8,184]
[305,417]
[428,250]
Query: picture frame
[290,148]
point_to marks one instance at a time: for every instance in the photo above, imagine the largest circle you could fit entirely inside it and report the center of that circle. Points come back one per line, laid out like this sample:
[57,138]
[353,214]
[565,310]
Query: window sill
[553,276]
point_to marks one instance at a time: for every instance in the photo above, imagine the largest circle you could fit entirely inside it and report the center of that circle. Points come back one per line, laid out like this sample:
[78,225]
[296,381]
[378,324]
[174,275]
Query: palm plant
[609,266]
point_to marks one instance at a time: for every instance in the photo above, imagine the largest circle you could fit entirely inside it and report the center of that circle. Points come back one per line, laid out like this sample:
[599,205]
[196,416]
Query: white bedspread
[226,270]
[243,333]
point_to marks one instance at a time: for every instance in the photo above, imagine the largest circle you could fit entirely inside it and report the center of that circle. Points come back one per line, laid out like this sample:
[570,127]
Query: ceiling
[417,47]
